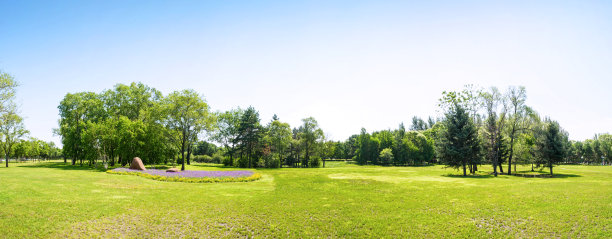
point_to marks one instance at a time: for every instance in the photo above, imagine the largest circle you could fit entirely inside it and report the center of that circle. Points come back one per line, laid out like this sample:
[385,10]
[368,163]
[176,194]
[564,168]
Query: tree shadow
[212,166]
[62,166]
[479,176]
[545,175]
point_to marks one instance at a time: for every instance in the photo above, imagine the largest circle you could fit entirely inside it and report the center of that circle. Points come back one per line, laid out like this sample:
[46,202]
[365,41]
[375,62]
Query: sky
[348,64]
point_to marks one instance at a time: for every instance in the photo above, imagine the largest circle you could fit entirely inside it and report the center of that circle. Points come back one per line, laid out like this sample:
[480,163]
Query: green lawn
[342,200]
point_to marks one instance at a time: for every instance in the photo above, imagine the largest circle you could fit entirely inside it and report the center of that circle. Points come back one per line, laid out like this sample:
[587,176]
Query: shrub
[314,162]
[227,161]
[217,158]
[273,163]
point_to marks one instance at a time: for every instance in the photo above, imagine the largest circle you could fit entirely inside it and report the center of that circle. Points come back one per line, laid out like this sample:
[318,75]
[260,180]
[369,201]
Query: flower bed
[191,176]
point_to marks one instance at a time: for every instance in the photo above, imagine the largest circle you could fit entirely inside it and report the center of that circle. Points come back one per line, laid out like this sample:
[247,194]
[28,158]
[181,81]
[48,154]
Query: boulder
[173,170]
[137,164]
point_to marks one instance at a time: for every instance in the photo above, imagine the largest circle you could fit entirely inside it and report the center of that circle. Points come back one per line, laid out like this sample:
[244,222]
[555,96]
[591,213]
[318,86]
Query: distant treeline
[478,127]
[136,120]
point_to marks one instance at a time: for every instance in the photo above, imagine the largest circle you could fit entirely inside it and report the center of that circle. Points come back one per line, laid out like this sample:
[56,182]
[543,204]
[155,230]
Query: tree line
[118,124]
[478,126]
[489,127]
[12,129]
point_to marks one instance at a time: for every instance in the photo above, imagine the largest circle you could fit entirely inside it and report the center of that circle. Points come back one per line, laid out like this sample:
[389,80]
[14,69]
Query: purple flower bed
[190,174]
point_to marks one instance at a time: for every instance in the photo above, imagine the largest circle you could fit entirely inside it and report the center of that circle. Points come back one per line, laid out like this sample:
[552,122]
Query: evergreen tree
[551,144]
[458,144]
[249,134]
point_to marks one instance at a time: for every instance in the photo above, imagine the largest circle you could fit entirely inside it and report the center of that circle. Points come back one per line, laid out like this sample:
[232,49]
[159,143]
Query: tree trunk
[551,171]
[64,159]
[6,160]
[324,163]
[501,169]
[495,168]
[464,173]
[475,168]
[189,154]
[183,157]
[511,152]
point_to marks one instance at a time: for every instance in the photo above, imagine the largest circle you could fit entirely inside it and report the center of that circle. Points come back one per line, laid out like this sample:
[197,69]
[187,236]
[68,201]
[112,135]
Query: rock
[173,170]
[137,164]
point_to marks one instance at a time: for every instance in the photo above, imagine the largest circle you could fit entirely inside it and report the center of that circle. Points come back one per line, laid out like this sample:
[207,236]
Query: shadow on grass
[211,166]
[62,166]
[526,174]
[545,175]
[479,176]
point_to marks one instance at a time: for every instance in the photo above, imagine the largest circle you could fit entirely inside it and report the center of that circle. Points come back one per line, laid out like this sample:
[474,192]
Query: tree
[11,129]
[494,126]
[606,148]
[280,136]
[188,115]
[8,87]
[311,136]
[249,134]
[551,144]
[11,124]
[516,97]
[386,156]
[226,131]
[418,124]
[363,154]
[458,144]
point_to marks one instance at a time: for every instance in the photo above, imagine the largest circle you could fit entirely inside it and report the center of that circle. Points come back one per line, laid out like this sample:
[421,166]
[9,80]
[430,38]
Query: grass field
[342,200]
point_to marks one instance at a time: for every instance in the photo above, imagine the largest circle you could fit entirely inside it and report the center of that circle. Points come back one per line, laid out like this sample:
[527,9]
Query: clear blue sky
[349,64]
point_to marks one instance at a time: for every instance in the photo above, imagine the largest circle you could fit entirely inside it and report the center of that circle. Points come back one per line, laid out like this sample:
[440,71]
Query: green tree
[11,130]
[226,131]
[311,137]
[280,137]
[516,98]
[188,115]
[386,156]
[458,144]
[249,134]
[552,144]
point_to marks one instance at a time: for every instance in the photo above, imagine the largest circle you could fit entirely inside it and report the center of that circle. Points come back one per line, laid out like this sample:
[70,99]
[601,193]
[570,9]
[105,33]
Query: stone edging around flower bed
[255,176]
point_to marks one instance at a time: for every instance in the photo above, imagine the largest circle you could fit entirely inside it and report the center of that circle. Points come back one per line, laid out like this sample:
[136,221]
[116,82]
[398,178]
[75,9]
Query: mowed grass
[342,200]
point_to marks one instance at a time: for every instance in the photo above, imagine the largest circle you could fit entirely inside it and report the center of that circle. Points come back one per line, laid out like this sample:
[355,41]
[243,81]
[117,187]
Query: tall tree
[249,134]
[311,136]
[552,144]
[516,97]
[493,126]
[418,124]
[11,130]
[280,135]
[226,130]
[458,144]
[188,115]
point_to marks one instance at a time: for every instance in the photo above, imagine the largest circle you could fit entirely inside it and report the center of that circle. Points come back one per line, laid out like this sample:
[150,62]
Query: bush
[228,161]
[201,158]
[274,163]
[268,162]
[217,158]
[314,162]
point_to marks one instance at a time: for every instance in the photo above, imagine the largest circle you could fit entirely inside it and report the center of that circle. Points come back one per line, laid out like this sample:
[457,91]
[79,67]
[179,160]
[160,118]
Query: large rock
[137,164]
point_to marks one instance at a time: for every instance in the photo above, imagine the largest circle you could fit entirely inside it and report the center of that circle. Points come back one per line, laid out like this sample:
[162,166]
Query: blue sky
[349,64]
